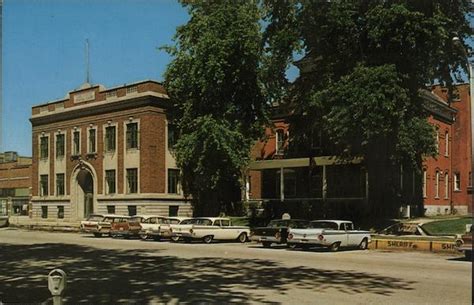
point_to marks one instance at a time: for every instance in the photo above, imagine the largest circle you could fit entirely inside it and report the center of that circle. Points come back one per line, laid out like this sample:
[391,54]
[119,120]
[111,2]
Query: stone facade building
[104,150]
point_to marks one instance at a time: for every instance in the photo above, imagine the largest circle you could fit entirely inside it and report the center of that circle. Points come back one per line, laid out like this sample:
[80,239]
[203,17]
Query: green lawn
[447,227]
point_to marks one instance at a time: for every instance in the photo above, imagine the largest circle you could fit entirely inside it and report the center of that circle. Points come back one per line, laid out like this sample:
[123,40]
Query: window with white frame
[59,184]
[132,180]
[60,140]
[446,144]
[43,185]
[132,135]
[457,181]
[173,181]
[280,140]
[44,149]
[437,184]
[110,181]
[92,140]
[446,185]
[76,143]
[110,139]
[424,183]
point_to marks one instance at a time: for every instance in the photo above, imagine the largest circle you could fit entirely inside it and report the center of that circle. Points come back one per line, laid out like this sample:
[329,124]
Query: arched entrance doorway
[83,190]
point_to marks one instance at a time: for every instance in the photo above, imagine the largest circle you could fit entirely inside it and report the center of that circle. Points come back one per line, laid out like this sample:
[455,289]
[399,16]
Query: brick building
[15,184]
[105,151]
[292,182]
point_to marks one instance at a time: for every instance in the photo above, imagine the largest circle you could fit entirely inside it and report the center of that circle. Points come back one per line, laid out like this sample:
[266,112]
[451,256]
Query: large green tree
[218,105]
[363,65]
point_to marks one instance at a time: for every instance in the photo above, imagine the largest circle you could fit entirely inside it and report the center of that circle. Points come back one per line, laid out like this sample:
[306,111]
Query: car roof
[213,218]
[177,217]
[332,220]
[146,216]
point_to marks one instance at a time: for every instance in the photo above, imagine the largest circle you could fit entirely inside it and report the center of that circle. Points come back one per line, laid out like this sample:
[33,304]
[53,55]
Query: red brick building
[322,181]
[105,151]
[15,184]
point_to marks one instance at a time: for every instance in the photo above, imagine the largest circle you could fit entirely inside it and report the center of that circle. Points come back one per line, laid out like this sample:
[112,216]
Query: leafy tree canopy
[213,81]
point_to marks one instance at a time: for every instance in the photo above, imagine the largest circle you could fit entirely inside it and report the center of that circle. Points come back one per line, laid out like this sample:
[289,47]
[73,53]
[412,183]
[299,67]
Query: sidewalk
[28,223]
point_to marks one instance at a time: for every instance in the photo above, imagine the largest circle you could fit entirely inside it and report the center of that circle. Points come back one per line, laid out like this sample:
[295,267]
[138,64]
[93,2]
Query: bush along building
[310,182]
[104,150]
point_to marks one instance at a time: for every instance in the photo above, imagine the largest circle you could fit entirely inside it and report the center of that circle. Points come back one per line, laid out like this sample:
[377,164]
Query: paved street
[106,271]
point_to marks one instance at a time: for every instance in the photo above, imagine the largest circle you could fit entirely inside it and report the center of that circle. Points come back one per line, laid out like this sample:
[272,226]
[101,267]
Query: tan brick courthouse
[105,151]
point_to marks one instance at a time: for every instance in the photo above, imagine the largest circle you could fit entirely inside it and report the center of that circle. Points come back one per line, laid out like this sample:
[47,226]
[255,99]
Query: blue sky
[44,57]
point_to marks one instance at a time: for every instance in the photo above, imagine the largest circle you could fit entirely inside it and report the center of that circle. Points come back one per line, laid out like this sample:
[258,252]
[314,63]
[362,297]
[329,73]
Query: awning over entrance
[300,162]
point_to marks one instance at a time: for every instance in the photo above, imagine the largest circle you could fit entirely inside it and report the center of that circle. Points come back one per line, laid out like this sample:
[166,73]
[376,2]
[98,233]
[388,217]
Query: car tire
[175,238]
[363,244]
[266,244]
[335,247]
[242,237]
[208,239]
[98,234]
[144,236]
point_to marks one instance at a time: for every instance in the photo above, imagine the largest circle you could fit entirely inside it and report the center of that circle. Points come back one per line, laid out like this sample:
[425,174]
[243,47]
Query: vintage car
[464,242]
[4,221]
[209,229]
[332,234]
[151,228]
[276,231]
[97,224]
[127,226]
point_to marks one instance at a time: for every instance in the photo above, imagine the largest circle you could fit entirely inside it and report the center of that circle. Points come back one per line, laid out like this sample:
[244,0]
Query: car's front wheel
[242,237]
[208,239]
[175,238]
[97,234]
[335,247]
[363,244]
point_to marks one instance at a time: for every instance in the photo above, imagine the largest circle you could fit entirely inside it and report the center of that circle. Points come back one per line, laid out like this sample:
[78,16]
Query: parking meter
[57,284]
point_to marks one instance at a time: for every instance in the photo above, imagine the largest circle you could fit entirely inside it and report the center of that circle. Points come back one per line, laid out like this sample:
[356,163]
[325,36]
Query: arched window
[280,140]
[424,183]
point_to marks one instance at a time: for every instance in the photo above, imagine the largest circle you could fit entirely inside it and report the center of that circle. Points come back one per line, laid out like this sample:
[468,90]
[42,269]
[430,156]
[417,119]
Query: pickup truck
[332,234]
[276,231]
[209,229]
[464,242]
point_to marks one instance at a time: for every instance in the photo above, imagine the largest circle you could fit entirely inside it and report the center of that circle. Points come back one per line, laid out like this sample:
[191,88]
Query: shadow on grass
[101,276]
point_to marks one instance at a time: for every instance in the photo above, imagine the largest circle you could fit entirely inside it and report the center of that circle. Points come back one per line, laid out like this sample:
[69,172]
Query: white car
[208,229]
[331,234]
[155,227]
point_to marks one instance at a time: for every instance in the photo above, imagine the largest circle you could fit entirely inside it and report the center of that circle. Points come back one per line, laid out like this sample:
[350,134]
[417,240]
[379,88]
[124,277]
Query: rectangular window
[172,136]
[470,179]
[44,211]
[110,94]
[59,145]
[446,186]
[132,180]
[437,184]
[110,181]
[110,139]
[92,141]
[76,143]
[44,147]
[111,209]
[173,210]
[446,144]
[60,211]
[280,134]
[424,183]
[59,184]
[132,210]
[173,180]
[43,185]
[437,142]
[457,181]
[132,135]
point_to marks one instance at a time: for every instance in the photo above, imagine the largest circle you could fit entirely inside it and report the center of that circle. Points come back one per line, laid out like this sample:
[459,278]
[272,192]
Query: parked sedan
[126,226]
[151,228]
[276,231]
[209,229]
[97,224]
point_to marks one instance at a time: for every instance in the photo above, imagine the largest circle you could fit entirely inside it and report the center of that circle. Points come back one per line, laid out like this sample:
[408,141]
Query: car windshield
[95,218]
[278,223]
[324,225]
[188,222]
[135,219]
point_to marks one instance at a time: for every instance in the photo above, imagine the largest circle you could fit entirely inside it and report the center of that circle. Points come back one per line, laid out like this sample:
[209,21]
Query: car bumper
[302,241]
[270,239]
